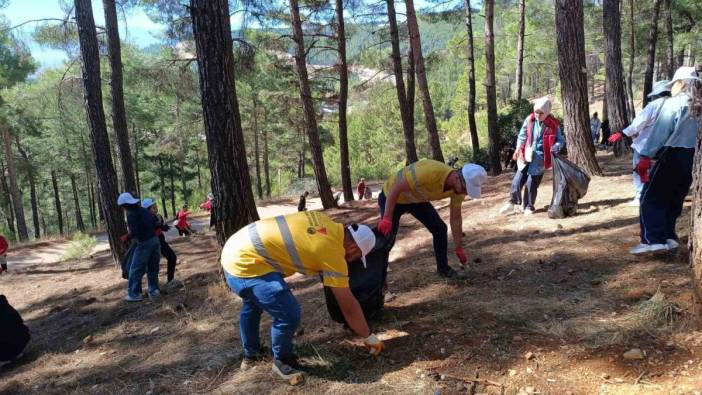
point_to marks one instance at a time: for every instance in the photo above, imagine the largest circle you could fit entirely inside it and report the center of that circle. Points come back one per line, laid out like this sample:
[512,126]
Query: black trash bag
[367,284]
[569,185]
[127,260]
[14,334]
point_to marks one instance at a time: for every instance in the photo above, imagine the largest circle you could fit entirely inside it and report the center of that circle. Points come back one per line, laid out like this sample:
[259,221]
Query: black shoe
[289,370]
[447,272]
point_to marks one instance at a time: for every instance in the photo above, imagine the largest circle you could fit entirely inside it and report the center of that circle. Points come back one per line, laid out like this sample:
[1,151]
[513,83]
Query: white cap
[364,238]
[684,73]
[543,104]
[126,198]
[474,177]
[148,202]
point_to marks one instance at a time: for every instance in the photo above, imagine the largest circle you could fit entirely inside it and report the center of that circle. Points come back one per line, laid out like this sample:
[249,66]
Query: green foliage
[80,247]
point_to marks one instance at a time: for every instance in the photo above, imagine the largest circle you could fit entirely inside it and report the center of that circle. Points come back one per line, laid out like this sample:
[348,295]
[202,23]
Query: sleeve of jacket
[521,137]
[662,129]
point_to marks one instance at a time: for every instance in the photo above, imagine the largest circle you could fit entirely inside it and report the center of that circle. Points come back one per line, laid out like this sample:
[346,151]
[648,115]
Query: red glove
[125,238]
[385,226]
[615,137]
[461,254]
[643,167]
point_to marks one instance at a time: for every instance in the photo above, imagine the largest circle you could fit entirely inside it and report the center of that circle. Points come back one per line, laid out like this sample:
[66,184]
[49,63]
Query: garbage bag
[367,284]
[569,185]
[127,260]
[14,334]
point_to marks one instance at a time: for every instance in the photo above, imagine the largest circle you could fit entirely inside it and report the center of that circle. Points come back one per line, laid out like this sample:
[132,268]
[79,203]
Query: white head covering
[684,73]
[364,238]
[474,177]
[543,104]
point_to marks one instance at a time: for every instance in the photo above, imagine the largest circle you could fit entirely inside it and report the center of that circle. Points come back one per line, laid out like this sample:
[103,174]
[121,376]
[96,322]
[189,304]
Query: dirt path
[550,306]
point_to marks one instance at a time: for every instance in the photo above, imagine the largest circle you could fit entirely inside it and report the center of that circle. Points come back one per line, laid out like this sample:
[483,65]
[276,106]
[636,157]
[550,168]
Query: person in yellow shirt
[412,189]
[259,256]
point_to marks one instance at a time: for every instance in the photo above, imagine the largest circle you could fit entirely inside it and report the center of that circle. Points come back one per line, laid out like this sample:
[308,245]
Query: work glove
[385,226]
[375,346]
[615,137]
[643,167]
[461,254]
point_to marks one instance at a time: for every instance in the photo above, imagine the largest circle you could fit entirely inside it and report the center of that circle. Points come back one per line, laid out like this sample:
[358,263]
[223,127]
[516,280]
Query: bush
[80,247]
[298,186]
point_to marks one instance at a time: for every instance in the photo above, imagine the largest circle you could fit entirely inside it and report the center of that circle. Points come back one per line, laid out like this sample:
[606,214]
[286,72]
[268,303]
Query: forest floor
[550,307]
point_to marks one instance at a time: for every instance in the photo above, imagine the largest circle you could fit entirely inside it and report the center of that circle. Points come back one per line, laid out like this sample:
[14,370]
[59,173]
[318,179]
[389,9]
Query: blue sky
[138,29]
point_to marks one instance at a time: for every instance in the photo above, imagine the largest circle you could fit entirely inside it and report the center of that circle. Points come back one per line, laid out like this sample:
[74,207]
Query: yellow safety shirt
[308,242]
[426,180]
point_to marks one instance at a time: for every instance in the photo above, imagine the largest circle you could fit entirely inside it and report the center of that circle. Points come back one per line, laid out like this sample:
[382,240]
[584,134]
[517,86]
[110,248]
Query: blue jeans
[269,293]
[427,215]
[638,185]
[145,260]
[529,183]
[663,196]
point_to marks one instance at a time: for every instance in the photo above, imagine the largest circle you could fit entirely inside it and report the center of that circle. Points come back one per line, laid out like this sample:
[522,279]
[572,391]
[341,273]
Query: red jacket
[548,133]
[3,245]
[183,219]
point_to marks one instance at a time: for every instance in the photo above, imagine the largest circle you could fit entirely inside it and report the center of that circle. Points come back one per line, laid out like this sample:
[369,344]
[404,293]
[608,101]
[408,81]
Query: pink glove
[615,137]
[385,226]
[461,254]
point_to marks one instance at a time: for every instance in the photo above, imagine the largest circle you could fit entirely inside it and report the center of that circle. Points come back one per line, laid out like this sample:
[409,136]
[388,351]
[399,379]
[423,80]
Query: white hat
[543,104]
[474,176]
[148,202]
[364,238]
[126,198]
[684,73]
[659,87]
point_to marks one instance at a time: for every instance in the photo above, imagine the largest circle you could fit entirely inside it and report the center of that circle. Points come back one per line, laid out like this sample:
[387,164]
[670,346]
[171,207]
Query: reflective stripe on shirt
[260,248]
[289,244]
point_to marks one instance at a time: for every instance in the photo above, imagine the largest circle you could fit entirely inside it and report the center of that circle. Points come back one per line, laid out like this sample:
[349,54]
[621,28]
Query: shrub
[80,247]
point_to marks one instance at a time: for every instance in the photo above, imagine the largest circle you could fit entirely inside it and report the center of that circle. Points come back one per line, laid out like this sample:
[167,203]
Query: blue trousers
[662,198]
[269,293]
[530,183]
[427,215]
[145,260]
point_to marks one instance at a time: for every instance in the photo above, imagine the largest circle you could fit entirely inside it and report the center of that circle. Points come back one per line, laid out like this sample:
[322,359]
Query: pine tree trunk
[136,160]
[105,171]
[491,94]
[695,240]
[670,52]
[57,202]
[119,114]
[343,99]
[470,49]
[76,204]
[651,54]
[230,181]
[320,171]
[632,56]
[420,72]
[410,84]
[571,65]
[91,205]
[6,199]
[520,48]
[616,99]
[405,112]
[162,184]
[15,193]
[171,178]
[266,163]
[257,153]
[32,188]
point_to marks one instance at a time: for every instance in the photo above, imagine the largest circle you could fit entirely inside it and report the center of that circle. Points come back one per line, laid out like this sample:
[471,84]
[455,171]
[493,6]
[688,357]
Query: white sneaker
[518,209]
[528,212]
[672,244]
[647,248]
[507,209]
[634,203]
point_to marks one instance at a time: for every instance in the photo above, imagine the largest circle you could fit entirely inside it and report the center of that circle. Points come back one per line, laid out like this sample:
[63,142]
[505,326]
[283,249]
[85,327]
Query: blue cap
[148,202]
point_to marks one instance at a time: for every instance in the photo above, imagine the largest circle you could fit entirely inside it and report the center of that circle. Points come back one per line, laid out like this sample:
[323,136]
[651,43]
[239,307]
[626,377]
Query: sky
[138,29]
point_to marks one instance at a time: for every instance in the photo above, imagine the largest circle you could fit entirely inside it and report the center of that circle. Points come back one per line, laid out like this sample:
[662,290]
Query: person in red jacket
[3,254]
[182,224]
[361,188]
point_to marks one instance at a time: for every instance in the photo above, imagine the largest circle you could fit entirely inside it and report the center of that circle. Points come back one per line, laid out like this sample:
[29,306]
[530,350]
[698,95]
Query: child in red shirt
[3,254]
